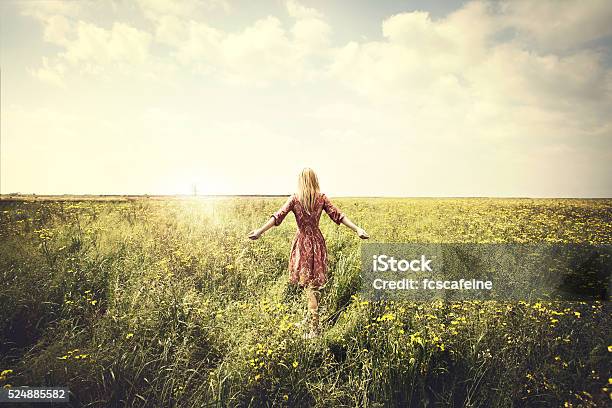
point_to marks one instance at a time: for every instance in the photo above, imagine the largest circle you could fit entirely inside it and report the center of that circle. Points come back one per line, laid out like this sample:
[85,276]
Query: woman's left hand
[362,233]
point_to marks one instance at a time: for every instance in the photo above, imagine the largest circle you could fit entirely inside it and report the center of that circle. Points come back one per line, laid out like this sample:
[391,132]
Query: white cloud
[312,34]
[260,53]
[559,25]
[58,29]
[88,48]
[52,74]
[121,43]
[156,9]
[450,61]
[44,9]
[297,10]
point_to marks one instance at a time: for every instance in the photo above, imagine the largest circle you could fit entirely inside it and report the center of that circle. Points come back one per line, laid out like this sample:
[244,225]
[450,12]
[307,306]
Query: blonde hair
[308,189]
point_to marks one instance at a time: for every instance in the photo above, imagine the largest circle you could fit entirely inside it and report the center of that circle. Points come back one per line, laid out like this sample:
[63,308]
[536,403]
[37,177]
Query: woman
[308,259]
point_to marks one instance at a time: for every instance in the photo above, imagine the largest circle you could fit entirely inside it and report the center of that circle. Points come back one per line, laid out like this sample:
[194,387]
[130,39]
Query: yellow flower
[295,364]
[610,349]
[129,335]
[4,374]
[386,316]
[93,302]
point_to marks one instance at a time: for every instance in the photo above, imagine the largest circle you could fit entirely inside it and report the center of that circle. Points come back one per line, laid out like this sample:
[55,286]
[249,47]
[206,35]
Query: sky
[380,98]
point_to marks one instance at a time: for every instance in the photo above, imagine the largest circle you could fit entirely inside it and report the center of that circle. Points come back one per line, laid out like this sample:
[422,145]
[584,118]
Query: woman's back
[308,221]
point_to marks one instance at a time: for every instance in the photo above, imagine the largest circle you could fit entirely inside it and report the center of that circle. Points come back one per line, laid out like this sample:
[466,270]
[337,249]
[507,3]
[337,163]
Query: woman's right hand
[362,233]
[255,234]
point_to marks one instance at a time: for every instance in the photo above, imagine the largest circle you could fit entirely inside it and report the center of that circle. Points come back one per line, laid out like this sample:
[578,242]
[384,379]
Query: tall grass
[166,303]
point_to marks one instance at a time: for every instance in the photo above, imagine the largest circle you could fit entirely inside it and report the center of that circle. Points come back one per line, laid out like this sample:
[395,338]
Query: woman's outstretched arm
[358,230]
[339,218]
[275,220]
[256,233]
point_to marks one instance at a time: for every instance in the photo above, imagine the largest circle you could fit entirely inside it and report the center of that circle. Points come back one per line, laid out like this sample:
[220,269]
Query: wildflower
[295,364]
[4,374]
[129,335]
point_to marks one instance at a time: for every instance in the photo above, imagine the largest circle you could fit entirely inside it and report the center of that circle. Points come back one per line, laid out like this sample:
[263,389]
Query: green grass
[166,303]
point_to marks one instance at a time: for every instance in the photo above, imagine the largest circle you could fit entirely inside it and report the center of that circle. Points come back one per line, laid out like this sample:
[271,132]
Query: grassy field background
[165,302]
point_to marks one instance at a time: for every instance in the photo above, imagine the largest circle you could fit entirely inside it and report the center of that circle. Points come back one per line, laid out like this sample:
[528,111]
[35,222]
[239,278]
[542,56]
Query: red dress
[308,259]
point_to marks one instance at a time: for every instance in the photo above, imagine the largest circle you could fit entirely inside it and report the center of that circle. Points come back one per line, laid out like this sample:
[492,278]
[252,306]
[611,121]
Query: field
[165,302]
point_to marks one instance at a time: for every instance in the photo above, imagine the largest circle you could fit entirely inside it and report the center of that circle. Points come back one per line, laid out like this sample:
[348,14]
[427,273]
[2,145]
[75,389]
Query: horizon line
[50,197]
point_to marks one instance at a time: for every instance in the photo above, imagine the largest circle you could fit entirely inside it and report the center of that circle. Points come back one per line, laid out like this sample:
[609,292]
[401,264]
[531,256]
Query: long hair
[308,189]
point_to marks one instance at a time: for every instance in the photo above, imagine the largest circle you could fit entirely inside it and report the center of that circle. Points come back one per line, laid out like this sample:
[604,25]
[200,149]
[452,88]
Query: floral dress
[308,259]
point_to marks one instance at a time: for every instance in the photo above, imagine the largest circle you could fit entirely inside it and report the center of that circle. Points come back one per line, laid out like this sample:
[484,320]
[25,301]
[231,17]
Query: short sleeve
[282,212]
[331,210]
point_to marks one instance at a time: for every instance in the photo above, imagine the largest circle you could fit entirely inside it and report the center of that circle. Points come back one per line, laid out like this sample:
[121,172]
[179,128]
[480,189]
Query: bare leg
[313,296]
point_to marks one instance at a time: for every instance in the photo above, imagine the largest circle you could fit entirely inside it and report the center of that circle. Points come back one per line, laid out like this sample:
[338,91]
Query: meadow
[165,302]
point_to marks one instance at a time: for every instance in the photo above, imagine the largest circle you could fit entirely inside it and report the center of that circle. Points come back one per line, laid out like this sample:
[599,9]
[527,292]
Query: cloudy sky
[385,97]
